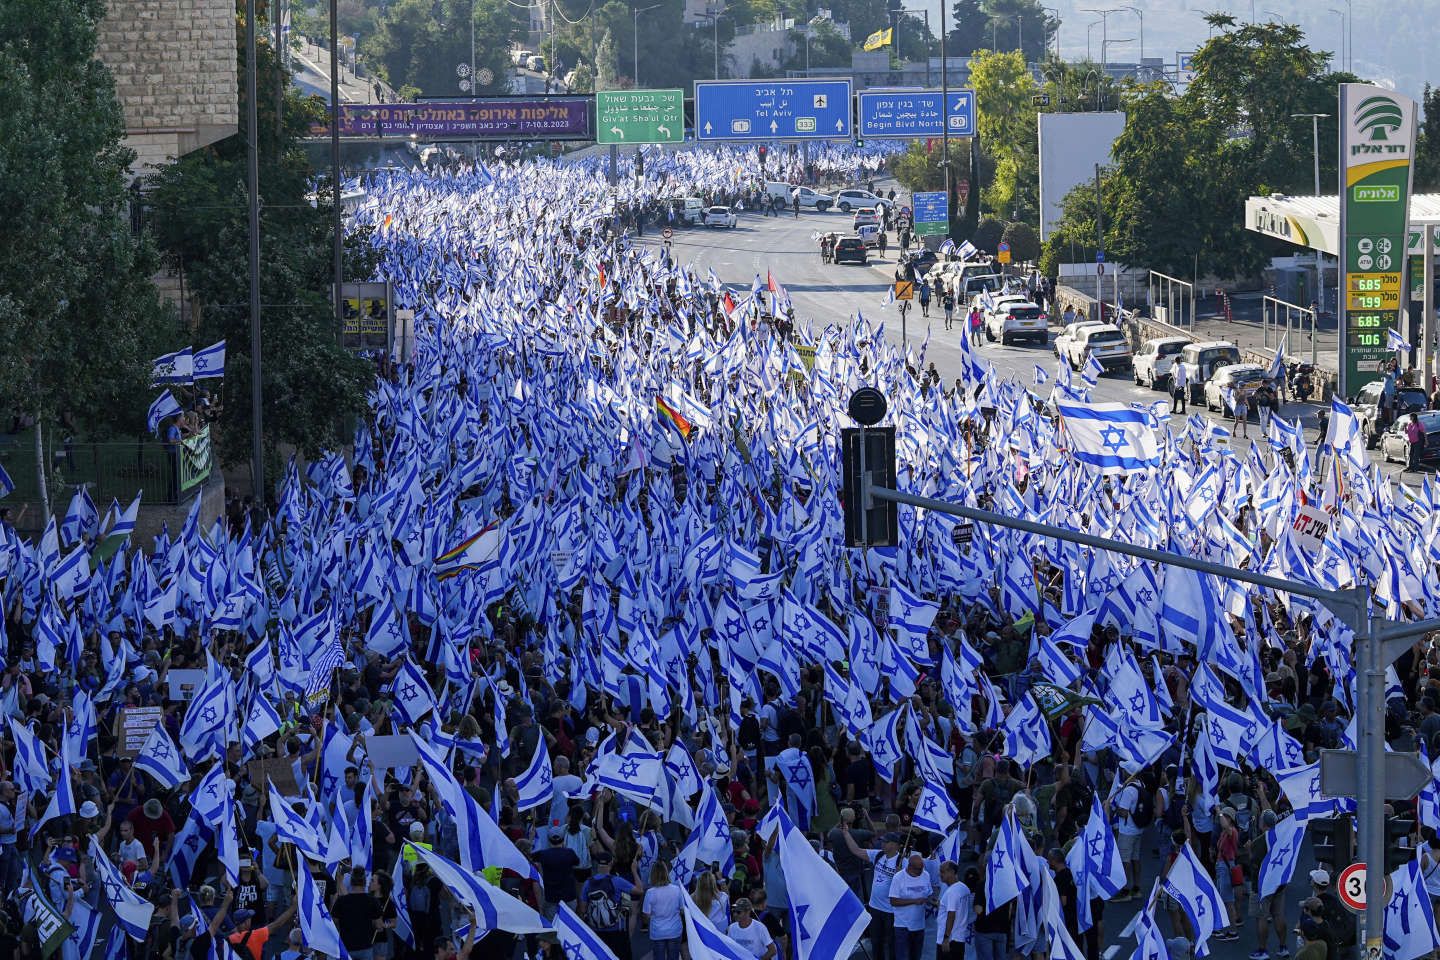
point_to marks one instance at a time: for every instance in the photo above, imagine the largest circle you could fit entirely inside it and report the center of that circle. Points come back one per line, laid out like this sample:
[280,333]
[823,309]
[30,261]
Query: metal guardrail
[111,470]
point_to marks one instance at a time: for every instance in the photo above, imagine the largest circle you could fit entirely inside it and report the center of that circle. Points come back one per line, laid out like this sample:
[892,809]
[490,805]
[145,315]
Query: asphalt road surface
[825,293]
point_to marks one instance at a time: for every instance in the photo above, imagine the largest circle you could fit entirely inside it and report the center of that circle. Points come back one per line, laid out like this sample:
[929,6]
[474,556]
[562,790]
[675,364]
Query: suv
[1366,405]
[1201,360]
[778,190]
[848,200]
[975,287]
[851,250]
[1154,358]
[1103,341]
[865,216]
[1016,318]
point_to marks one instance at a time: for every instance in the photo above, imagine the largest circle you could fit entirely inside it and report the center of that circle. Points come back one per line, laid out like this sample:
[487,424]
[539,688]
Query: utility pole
[1099,247]
[252,164]
[337,249]
[1314,142]
[279,72]
[945,124]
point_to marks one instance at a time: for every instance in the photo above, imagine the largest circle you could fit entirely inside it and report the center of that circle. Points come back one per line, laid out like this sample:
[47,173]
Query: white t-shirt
[885,869]
[662,905]
[906,887]
[132,849]
[754,938]
[1127,800]
[956,899]
[560,801]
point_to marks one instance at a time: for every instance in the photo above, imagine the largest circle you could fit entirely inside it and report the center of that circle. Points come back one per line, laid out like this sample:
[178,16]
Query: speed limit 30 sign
[1352,886]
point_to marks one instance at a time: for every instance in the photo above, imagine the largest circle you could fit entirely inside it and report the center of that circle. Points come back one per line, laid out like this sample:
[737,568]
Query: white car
[1231,379]
[1154,359]
[1104,341]
[870,233]
[720,217]
[1202,359]
[848,200]
[864,216]
[1016,318]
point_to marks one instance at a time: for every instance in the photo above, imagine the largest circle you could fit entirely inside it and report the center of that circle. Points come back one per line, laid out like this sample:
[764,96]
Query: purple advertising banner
[496,118]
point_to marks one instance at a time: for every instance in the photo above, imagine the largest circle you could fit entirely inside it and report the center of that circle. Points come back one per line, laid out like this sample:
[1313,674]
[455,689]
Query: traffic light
[870,451]
[1399,843]
[763,151]
[1334,841]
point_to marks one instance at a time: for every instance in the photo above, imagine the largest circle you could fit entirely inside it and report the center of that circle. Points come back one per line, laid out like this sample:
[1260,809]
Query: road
[824,293]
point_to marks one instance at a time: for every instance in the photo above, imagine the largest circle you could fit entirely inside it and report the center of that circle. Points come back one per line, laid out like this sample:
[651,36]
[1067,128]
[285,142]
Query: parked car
[864,216]
[869,233]
[924,261]
[1017,319]
[977,285]
[1069,333]
[1154,359]
[720,217]
[688,210]
[1232,379]
[1366,405]
[1103,341]
[1203,359]
[1394,446]
[848,200]
[851,250]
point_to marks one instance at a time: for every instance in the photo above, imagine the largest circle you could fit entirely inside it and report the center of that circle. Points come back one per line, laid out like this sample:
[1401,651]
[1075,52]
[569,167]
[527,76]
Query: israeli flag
[935,811]
[577,940]
[1282,850]
[160,758]
[1277,364]
[1409,918]
[1115,438]
[536,783]
[911,617]
[493,908]
[210,362]
[1393,341]
[132,911]
[1094,859]
[7,486]
[704,940]
[164,406]
[174,367]
[321,934]
[1190,884]
[413,696]
[827,917]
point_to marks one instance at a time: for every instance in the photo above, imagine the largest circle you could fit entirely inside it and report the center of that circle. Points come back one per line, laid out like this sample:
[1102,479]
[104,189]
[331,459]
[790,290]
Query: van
[535,63]
[518,58]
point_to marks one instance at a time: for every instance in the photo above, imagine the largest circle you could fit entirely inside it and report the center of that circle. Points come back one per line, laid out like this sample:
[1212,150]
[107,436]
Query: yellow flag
[880,38]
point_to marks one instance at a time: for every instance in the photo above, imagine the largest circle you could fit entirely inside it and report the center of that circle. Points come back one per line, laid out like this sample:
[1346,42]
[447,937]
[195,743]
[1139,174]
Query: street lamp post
[1314,141]
[1341,14]
[1056,11]
[714,16]
[1105,51]
[635,37]
[928,34]
[1089,27]
[1141,14]
[1104,14]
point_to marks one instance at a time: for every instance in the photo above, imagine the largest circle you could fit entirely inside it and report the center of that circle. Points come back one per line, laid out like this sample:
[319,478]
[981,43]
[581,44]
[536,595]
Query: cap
[153,809]
[592,736]
[1320,878]
[417,829]
[890,838]
[556,836]
[89,810]
[240,916]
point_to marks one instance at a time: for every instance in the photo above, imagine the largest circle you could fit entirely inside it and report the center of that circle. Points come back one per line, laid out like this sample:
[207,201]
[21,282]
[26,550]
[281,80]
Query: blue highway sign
[772,110]
[909,114]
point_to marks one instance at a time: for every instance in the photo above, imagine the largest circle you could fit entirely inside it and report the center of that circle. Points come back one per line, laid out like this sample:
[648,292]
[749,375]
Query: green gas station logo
[1376,118]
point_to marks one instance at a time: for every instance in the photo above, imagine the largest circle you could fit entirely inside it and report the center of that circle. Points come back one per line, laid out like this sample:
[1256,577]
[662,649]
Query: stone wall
[175,74]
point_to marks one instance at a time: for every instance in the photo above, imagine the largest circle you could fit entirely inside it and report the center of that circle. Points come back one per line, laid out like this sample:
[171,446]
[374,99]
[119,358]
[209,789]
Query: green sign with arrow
[640,116]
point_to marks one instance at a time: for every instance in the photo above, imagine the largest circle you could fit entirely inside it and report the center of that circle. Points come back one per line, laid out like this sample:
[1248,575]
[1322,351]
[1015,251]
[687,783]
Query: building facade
[175,74]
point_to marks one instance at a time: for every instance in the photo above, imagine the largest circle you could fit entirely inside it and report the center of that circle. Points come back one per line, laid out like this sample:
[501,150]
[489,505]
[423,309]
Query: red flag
[769,282]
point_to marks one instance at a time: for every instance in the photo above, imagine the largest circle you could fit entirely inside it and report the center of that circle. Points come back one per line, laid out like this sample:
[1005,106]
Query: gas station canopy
[1314,222]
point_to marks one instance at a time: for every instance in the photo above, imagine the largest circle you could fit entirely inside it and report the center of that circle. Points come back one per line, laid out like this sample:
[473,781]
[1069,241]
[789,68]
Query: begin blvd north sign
[640,116]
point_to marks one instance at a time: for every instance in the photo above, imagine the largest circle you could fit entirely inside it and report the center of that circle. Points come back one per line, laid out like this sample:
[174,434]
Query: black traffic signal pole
[1377,646]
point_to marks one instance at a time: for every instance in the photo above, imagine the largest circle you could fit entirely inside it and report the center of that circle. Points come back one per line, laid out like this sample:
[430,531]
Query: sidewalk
[1247,332]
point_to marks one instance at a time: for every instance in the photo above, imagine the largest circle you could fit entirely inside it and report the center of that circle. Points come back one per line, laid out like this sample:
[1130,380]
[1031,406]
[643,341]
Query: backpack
[1144,814]
[1175,811]
[603,904]
[241,949]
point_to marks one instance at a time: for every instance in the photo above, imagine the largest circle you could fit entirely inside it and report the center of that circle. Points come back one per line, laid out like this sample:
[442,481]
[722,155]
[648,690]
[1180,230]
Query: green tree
[418,43]
[1024,241]
[1427,143]
[1005,120]
[200,222]
[988,234]
[827,48]
[969,29]
[1011,21]
[918,168]
[79,315]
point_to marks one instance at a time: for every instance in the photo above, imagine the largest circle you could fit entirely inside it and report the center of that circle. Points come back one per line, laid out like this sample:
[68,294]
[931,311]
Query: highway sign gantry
[772,110]
[907,114]
[640,116]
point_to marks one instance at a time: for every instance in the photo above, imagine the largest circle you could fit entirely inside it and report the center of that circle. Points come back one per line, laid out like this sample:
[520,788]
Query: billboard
[483,118]
[1070,146]
[368,318]
[1377,150]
